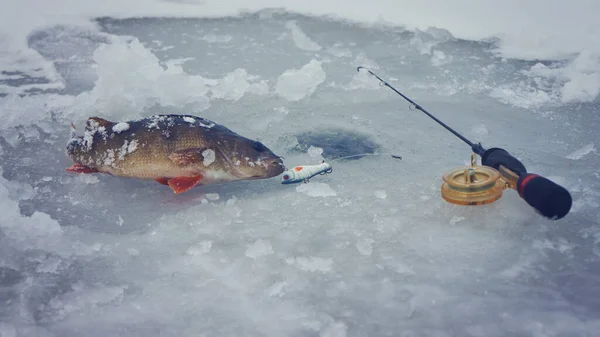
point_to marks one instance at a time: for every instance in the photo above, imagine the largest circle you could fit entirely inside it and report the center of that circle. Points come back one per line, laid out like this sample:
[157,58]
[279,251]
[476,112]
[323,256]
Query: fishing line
[395,156]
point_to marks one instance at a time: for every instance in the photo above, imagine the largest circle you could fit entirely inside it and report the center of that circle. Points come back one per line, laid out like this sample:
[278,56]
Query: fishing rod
[477,185]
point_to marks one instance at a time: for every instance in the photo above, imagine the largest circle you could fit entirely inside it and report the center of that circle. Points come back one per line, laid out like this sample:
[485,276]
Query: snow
[371,249]
[128,147]
[208,156]
[120,127]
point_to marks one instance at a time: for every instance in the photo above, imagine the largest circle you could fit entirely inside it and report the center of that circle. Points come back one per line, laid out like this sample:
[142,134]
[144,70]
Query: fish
[180,151]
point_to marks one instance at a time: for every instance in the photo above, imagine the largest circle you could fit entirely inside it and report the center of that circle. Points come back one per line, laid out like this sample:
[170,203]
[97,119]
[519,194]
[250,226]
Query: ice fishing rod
[477,185]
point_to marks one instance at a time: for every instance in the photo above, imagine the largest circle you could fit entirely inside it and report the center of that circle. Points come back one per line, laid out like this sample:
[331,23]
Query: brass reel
[474,185]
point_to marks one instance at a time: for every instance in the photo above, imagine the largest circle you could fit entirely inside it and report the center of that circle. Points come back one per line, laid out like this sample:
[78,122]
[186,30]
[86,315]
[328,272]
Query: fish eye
[258,146]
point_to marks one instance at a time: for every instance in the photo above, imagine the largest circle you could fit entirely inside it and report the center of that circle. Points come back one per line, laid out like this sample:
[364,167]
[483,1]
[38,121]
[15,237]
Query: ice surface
[368,250]
[532,34]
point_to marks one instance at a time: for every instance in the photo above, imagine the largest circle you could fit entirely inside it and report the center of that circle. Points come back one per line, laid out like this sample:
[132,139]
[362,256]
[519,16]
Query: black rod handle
[547,197]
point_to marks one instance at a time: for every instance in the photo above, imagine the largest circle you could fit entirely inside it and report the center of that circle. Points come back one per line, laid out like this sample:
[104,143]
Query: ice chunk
[296,84]
[115,93]
[277,289]
[36,231]
[335,329]
[365,246]
[86,179]
[301,40]
[200,248]
[233,86]
[315,152]
[338,51]
[439,58]
[581,88]
[212,38]
[456,219]
[381,194]
[7,330]
[259,249]
[574,81]
[311,263]
[28,110]
[480,130]
[582,152]
[522,95]
[212,196]
[424,41]
[316,189]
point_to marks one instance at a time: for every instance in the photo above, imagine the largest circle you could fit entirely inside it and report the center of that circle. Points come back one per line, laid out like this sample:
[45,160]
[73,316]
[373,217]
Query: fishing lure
[303,173]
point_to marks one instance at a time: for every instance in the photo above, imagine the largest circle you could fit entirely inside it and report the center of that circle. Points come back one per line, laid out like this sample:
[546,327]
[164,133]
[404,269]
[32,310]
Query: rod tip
[359,68]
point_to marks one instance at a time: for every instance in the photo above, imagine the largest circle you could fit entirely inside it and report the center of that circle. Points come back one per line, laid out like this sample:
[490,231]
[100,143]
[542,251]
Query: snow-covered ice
[370,249]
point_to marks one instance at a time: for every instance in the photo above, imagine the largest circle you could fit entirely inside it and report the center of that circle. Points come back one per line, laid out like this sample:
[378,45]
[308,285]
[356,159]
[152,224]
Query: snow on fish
[180,151]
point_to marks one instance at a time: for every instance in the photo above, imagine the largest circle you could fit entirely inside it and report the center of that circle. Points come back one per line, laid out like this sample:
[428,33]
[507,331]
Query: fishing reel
[473,185]
[480,185]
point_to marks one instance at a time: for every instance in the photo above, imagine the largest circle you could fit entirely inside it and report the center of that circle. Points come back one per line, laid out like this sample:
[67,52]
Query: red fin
[182,184]
[163,180]
[187,156]
[78,168]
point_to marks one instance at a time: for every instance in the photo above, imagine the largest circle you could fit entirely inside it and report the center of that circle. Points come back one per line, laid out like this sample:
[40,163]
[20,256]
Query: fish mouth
[273,166]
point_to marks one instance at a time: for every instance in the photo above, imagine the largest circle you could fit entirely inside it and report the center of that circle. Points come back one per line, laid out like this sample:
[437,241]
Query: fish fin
[73,131]
[162,180]
[78,168]
[182,184]
[100,121]
[187,156]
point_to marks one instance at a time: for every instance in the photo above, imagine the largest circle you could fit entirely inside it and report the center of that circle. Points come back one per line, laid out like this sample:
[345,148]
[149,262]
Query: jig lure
[303,173]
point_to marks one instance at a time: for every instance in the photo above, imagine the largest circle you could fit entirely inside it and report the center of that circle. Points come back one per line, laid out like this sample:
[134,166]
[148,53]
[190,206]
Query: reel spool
[473,185]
